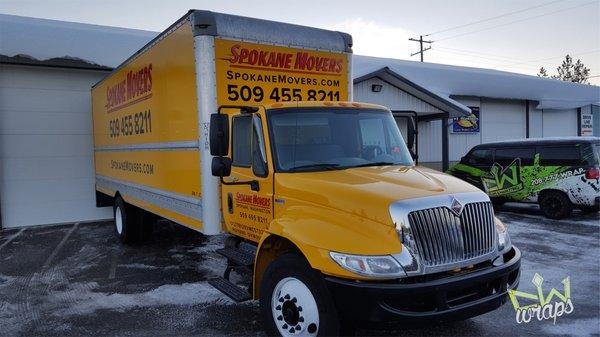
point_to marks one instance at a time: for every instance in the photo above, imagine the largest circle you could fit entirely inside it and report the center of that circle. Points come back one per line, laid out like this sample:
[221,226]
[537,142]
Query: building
[509,105]
[46,157]
[47,68]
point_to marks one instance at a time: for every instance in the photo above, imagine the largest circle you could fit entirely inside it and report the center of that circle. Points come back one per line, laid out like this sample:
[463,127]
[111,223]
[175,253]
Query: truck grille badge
[456,207]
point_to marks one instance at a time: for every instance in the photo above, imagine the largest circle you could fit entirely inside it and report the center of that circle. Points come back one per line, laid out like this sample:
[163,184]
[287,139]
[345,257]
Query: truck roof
[324,104]
[252,30]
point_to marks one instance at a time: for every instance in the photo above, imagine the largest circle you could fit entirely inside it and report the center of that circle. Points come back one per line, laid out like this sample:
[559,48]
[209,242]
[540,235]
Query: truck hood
[367,191]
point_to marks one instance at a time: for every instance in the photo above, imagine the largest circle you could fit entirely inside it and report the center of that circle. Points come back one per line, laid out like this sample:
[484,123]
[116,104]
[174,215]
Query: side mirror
[221,166]
[219,135]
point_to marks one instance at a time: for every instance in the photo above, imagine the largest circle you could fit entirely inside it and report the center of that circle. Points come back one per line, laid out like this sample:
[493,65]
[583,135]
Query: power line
[516,21]
[518,61]
[495,63]
[493,18]
[471,52]
[555,57]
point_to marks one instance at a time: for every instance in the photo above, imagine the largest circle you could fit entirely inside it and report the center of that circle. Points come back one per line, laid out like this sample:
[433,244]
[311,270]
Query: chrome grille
[442,237]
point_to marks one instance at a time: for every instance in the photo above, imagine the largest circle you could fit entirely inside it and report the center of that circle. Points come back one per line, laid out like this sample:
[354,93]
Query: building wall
[596,119]
[391,97]
[501,119]
[46,165]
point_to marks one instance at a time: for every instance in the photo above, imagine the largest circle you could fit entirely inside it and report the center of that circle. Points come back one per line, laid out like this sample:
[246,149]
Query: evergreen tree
[568,71]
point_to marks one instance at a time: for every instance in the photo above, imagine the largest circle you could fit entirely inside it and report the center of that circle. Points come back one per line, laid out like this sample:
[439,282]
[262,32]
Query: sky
[512,35]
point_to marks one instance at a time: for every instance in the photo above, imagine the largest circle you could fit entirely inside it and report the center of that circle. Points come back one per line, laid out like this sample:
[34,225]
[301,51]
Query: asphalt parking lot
[77,279]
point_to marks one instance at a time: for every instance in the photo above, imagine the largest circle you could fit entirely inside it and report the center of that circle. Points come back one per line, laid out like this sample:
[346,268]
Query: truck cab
[325,205]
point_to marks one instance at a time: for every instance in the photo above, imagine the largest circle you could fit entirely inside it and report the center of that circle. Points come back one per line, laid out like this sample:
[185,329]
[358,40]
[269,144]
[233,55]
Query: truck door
[247,212]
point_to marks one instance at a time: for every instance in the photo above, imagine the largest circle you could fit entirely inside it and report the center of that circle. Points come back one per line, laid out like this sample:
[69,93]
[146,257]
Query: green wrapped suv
[557,173]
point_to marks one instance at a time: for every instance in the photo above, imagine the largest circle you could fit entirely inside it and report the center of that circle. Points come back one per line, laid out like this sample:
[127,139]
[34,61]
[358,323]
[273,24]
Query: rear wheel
[589,209]
[127,224]
[295,301]
[555,204]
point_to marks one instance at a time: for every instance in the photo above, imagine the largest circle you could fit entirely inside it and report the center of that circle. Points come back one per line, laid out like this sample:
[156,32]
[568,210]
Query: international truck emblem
[456,207]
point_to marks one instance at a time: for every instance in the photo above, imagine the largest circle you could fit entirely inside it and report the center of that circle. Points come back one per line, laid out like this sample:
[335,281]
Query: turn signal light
[592,173]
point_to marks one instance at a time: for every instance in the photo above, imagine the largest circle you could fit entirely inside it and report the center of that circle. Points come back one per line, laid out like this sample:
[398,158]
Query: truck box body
[151,115]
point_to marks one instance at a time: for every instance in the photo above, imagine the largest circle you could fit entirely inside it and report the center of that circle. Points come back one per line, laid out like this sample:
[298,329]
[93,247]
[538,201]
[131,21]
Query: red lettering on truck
[136,87]
[304,61]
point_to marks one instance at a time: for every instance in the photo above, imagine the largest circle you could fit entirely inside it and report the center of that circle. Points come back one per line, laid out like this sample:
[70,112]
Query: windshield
[321,139]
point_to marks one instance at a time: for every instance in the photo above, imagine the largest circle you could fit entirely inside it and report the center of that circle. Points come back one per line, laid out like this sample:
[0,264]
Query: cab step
[240,257]
[232,291]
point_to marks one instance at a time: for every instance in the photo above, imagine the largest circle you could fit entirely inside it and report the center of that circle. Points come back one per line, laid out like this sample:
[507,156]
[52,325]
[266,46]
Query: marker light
[504,243]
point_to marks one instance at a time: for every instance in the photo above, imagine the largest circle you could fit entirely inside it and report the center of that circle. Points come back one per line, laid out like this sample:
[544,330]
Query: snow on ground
[557,249]
[96,286]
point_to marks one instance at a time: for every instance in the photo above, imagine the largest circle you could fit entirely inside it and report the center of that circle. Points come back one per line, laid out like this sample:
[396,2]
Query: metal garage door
[46,163]
[502,120]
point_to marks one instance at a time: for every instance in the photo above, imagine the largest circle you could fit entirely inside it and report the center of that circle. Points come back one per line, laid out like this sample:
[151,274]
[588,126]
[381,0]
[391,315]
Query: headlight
[504,243]
[369,265]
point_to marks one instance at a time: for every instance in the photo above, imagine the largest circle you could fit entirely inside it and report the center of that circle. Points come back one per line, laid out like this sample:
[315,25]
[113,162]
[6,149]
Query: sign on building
[587,124]
[467,124]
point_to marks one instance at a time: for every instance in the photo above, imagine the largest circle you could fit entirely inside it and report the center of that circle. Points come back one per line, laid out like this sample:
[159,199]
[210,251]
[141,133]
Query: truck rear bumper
[449,298]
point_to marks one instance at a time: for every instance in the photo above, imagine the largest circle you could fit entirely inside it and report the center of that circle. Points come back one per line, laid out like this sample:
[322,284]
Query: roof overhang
[446,104]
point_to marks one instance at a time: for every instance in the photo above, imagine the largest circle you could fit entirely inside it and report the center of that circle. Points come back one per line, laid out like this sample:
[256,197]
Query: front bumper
[439,299]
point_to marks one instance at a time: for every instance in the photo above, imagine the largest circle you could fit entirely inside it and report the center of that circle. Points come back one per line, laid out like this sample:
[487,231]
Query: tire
[555,205]
[589,209]
[127,224]
[294,296]
[498,203]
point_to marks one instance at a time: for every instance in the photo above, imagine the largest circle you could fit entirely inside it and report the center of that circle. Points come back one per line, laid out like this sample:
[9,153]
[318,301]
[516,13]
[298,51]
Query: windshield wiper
[377,163]
[315,166]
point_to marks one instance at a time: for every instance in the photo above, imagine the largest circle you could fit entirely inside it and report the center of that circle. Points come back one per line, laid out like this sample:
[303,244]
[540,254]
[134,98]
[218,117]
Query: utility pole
[421,41]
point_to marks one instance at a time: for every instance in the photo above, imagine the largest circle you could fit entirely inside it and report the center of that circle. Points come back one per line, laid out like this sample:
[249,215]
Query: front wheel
[295,301]
[555,205]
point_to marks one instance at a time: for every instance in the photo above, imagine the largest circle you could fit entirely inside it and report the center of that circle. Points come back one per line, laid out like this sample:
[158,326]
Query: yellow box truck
[228,124]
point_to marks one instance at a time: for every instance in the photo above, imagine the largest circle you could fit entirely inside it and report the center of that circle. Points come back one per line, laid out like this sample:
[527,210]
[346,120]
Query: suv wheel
[589,209]
[555,204]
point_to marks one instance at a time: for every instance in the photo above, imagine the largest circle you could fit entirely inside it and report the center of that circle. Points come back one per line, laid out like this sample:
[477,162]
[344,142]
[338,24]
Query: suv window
[559,155]
[480,157]
[241,140]
[507,155]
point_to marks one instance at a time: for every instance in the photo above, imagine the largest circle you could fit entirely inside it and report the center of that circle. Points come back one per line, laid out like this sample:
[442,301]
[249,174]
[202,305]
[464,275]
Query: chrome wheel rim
[294,308]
